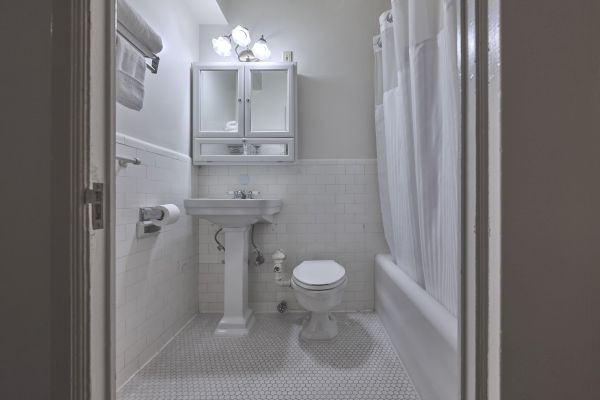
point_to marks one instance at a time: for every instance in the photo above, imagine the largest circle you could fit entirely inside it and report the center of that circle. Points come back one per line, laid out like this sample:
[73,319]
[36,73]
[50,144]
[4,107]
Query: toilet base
[319,326]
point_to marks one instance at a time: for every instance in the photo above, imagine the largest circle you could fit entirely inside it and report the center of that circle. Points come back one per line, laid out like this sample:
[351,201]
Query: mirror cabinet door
[219,103]
[268,102]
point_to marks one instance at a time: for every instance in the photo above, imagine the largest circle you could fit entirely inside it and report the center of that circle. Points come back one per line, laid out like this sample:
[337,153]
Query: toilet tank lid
[319,272]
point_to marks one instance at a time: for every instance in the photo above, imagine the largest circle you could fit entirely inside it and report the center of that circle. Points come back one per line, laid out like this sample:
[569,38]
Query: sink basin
[233,213]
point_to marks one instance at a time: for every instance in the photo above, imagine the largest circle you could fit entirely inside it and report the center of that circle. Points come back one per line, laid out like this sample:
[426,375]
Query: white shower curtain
[418,142]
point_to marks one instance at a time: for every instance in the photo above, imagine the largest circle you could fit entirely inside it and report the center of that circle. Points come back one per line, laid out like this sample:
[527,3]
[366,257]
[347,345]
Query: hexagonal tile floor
[273,363]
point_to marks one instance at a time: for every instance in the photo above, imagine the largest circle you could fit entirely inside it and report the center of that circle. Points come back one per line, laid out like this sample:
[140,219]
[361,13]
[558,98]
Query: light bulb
[261,50]
[241,36]
[222,46]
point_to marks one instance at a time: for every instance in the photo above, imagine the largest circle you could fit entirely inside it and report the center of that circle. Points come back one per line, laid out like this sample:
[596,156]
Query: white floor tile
[272,363]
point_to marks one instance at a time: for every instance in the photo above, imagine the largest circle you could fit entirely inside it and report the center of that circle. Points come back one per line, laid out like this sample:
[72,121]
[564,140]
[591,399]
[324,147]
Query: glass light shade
[241,36]
[261,50]
[222,46]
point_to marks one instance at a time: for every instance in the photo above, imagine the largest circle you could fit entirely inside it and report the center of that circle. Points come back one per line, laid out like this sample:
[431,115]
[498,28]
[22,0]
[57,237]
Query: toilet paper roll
[170,215]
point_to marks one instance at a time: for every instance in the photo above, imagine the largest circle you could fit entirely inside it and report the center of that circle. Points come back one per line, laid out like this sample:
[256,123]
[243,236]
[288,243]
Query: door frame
[111,152]
[73,29]
[70,260]
[479,319]
[481,133]
[70,81]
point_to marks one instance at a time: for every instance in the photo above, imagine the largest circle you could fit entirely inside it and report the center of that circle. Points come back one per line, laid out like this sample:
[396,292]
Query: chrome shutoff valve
[282,307]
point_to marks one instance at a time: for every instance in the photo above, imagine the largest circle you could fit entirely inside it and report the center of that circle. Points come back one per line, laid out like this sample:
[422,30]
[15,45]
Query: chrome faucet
[243,194]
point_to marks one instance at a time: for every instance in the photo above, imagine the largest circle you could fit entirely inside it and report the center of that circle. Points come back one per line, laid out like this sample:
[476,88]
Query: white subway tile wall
[330,211]
[156,277]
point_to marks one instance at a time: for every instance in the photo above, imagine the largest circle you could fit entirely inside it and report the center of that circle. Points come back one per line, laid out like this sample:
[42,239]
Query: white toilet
[319,286]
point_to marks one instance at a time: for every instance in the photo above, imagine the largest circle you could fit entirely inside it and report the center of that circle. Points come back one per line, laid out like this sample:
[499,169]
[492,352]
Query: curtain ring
[389,18]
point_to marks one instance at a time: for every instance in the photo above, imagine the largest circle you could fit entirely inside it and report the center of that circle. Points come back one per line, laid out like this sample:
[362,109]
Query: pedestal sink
[235,216]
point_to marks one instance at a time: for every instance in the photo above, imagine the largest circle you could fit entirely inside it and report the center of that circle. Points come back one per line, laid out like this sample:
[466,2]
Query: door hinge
[95,198]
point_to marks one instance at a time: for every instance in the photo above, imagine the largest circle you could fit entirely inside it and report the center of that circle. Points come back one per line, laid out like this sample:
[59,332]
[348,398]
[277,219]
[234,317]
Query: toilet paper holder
[152,219]
[144,226]
[150,213]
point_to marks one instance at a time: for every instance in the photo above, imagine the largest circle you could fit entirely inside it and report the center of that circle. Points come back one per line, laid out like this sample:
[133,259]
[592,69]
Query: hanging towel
[133,22]
[131,69]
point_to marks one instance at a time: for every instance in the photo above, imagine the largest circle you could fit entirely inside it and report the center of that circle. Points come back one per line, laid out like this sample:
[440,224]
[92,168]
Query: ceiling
[207,12]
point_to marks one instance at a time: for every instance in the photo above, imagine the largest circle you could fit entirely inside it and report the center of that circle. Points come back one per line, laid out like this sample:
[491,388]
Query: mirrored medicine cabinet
[244,113]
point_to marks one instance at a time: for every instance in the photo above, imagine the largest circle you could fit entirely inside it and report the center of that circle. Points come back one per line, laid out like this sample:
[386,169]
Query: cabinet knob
[239,100]
[247,100]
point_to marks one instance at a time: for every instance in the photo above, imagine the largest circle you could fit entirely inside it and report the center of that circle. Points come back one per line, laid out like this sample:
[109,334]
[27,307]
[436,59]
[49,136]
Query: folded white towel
[231,126]
[129,19]
[131,70]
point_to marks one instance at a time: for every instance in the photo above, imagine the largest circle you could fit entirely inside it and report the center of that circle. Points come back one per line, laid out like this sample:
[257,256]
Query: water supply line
[260,260]
[220,246]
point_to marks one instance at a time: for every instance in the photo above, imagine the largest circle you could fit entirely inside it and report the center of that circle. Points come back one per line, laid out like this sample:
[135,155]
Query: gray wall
[26,176]
[551,199]
[332,43]
[165,118]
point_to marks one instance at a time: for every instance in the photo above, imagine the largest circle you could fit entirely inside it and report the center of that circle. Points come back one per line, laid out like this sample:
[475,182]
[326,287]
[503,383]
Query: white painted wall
[165,118]
[332,43]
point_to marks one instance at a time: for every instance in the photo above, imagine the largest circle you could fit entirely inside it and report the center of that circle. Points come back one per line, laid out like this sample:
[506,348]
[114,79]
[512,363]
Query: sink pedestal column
[237,318]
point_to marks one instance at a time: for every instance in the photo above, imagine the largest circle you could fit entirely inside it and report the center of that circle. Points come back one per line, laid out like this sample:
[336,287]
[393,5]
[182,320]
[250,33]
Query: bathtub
[424,333]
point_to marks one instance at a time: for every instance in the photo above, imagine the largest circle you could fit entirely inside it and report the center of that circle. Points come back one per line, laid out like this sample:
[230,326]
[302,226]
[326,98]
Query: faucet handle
[251,193]
[237,194]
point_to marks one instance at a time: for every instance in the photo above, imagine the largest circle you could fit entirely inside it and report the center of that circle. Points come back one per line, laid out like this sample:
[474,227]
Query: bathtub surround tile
[156,290]
[273,363]
[330,211]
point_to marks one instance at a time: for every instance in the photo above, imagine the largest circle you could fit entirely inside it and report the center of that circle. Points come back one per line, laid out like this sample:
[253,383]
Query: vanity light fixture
[222,45]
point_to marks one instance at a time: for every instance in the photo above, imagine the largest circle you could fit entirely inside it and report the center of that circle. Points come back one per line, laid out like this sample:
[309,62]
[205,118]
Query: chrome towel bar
[154,59]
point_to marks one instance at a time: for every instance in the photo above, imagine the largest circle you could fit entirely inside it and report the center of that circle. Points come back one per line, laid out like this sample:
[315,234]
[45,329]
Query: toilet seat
[319,275]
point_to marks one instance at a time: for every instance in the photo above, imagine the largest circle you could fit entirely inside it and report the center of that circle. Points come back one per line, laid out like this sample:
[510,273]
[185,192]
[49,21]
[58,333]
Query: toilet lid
[319,274]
